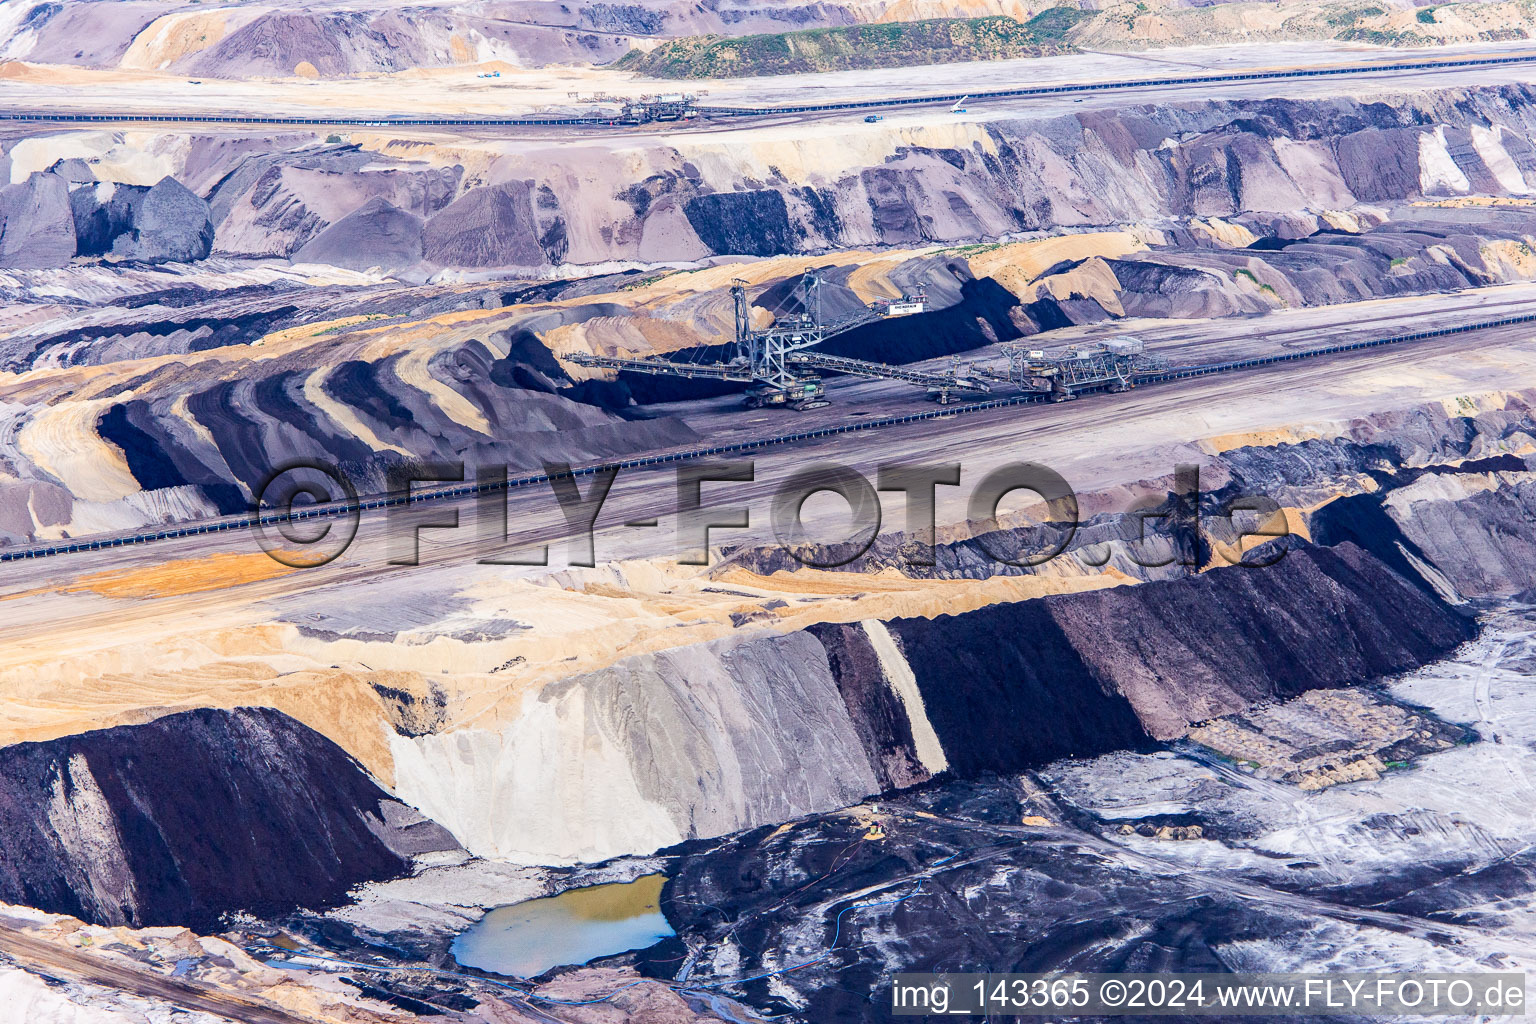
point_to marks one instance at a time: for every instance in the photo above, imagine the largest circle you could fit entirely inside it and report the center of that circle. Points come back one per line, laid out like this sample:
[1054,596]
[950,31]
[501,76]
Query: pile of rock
[64,212]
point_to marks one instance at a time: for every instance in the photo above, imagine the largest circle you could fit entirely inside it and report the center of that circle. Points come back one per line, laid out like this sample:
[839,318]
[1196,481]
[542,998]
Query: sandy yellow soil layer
[197,632]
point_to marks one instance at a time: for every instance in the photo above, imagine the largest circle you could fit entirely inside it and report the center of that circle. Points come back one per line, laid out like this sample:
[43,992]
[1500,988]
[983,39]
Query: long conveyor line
[742,447]
[387,121]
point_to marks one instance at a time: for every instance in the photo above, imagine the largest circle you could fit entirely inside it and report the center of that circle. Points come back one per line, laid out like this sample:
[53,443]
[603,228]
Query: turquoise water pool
[524,940]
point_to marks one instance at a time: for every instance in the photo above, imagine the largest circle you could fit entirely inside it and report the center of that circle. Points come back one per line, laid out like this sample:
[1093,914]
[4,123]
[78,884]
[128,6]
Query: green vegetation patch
[1052,25]
[971,250]
[894,44]
[1383,37]
[1352,16]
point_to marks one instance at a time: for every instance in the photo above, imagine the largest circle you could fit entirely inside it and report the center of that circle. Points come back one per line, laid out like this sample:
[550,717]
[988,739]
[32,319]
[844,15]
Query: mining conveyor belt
[670,367]
[886,371]
[738,448]
[1136,83]
[595,121]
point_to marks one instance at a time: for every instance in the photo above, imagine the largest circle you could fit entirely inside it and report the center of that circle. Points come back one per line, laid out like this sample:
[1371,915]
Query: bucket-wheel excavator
[780,364]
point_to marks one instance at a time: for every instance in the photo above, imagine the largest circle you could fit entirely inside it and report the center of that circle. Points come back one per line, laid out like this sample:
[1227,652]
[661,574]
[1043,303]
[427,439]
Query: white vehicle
[959,107]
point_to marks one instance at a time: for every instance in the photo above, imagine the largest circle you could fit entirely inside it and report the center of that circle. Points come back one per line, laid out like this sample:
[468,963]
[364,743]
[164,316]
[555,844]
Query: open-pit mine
[527,512]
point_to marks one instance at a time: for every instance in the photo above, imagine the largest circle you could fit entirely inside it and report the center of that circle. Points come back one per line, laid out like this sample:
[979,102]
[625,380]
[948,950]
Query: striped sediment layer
[709,739]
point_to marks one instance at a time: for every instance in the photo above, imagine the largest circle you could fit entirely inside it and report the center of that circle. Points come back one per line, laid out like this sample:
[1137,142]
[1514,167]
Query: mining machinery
[779,363]
[1111,365]
[672,106]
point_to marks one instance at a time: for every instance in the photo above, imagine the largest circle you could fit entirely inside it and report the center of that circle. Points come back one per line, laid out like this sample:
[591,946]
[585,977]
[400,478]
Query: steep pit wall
[1440,489]
[727,735]
[1246,267]
[1469,535]
[822,188]
[426,204]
